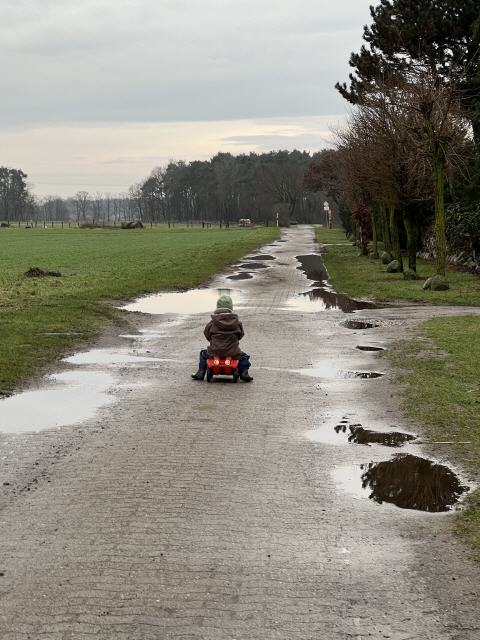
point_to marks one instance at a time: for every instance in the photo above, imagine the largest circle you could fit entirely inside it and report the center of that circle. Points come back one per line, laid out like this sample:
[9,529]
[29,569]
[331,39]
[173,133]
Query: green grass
[442,376]
[361,277]
[440,367]
[98,266]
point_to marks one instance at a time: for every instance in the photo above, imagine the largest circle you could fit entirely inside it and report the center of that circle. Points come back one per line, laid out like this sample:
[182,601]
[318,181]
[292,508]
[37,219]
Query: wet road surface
[187,510]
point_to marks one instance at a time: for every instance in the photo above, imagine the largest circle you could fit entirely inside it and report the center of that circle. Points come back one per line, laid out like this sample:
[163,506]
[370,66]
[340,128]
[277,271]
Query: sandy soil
[187,510]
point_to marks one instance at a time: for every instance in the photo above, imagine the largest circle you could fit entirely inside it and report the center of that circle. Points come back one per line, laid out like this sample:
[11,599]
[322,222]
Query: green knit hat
[225,302]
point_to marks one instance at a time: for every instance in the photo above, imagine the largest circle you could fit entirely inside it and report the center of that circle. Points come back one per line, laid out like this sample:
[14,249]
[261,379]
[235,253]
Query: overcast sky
[95,93]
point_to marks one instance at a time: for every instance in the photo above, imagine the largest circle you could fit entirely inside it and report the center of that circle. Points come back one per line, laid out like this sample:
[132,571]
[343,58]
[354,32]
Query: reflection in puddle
[313,267]
[323,296]
[356,434]
[260,257]
[407,481]
[365,375]
[359,435]
[253,265]
[360,324]
[105,356]
[240,276]
[184,302]
[70,397]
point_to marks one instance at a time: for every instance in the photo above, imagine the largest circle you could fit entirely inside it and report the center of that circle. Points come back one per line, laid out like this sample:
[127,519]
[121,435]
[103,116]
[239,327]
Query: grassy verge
[441,367]
[442,376]
[361,277]
[97,266]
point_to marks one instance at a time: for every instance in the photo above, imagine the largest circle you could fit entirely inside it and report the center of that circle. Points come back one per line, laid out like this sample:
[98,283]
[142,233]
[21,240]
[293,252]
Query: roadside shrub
[463,227]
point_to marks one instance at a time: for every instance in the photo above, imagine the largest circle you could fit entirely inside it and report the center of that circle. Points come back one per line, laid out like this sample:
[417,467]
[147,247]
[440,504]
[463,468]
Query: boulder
[133,224]
[373,255]
[436,283]
[410,274]
[386,257]
[393,266]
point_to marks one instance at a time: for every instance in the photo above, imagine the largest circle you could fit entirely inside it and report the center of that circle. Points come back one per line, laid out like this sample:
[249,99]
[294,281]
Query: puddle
[107,357]
[360,324]
[313,267]
[406,481]
[359,435]
[240,276]
[68,398]
[184,302]
[262,256]
[365,375]
[327,370]
[362,347]
[253,265]
[344,433]
[323,297]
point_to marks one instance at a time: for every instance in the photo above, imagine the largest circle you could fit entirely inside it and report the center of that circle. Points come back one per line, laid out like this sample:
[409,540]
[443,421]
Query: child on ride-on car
[224,331]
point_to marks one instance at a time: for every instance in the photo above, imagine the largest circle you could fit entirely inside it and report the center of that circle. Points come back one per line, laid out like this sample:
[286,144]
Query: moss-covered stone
[386,257]
[393,266]
[436,283]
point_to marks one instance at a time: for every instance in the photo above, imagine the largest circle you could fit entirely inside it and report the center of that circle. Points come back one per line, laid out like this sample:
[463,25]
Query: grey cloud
[266,142]
[64,61]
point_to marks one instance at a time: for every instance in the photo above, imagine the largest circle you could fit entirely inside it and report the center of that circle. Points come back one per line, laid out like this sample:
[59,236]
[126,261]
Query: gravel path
[189,510]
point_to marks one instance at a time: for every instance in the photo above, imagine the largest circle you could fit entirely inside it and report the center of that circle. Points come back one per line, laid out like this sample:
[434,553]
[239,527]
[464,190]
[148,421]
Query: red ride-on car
[222,367]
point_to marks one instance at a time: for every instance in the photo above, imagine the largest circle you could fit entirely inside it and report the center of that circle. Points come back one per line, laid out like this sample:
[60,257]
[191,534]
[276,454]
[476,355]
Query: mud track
[188,510]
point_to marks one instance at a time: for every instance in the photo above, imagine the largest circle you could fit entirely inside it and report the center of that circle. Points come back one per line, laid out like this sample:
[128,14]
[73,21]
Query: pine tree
[443,35]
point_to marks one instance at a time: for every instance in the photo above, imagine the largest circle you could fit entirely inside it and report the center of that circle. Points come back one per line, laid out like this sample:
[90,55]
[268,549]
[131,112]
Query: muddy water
[253,265]
[362,347]
[359,435]
[323,296]
[184,302]
[328,370]
[344,433]
[406,481]
[69,398]
[240,276]
[360,324]
[262,256]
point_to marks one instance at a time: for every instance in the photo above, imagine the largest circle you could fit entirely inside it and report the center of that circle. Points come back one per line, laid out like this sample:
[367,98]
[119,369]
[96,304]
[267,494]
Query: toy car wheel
[209,375]
[236,375]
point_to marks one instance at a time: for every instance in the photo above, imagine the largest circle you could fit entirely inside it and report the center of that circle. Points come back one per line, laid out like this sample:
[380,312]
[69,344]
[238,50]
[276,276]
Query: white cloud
[98,91]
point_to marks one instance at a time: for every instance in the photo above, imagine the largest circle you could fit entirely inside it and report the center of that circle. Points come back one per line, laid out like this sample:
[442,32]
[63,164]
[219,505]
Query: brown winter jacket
[224,332]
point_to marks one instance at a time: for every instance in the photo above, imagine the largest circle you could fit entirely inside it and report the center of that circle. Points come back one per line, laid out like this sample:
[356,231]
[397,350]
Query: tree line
[409,156]
[221,190]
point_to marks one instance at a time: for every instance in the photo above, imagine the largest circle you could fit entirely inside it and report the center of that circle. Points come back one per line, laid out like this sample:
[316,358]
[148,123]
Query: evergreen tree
[443,35]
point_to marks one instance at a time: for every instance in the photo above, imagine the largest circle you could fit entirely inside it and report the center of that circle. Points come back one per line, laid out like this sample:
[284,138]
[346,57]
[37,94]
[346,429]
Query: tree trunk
[394,235]
[374,231]
[387,242]
[411,227]
[441,243]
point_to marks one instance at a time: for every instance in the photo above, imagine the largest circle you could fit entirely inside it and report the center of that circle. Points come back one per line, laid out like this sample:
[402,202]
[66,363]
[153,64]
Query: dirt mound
[36,272]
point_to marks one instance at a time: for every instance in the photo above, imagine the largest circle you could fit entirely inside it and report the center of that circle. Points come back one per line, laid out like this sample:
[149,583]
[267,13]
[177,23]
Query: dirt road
[186,510]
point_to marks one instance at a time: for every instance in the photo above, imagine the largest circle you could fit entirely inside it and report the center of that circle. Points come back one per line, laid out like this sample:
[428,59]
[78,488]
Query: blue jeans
[243,361]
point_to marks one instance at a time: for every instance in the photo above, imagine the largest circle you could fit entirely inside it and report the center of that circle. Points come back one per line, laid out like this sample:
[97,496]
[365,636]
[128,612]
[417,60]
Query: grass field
[97,266]
[361,277]
[442,377]
[441,367]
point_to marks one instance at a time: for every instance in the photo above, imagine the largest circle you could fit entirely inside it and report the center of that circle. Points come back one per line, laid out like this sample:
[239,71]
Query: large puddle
[68,398]
[323,296]
[184,302]
[406,481]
